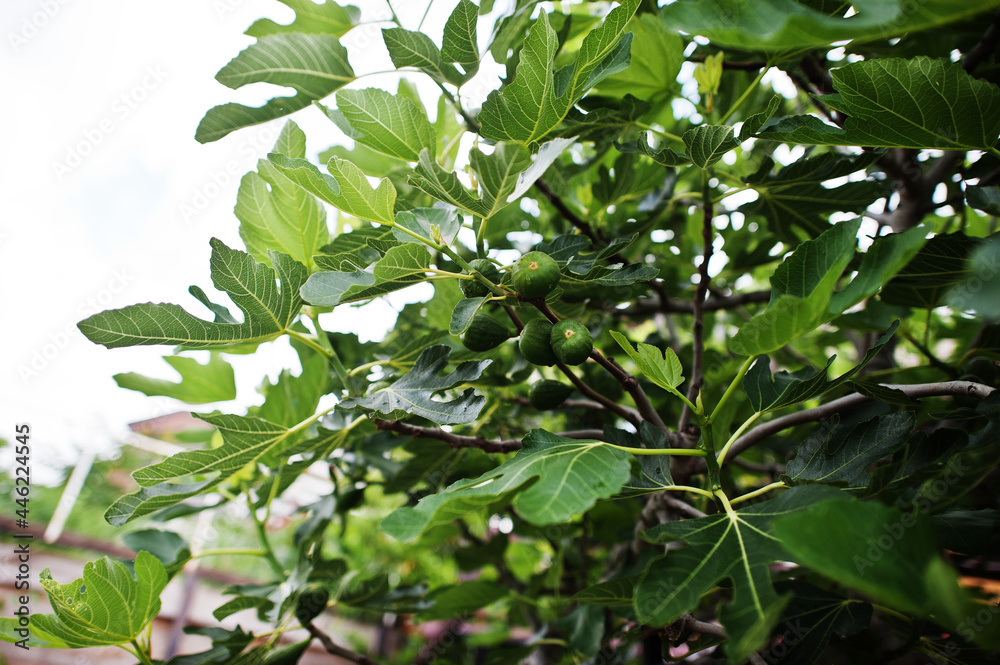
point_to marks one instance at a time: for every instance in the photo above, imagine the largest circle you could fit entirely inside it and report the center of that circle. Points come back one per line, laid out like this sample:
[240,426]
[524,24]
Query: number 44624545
[22,471]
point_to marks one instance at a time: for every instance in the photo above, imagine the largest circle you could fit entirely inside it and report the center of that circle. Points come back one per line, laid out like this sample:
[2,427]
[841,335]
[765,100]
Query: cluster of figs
[569,342]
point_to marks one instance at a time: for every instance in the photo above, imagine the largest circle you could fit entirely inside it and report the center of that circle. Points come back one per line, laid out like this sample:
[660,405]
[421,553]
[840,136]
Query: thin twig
[568,404]
[703,627]
[464,441]
[631,385]
[803,85]
[649,306]
[453,440]
[564,210]
[625,412]
[627,381]
[761,432]
[698,327]
[338,650]
[681,506]
[514,318]
[931,358]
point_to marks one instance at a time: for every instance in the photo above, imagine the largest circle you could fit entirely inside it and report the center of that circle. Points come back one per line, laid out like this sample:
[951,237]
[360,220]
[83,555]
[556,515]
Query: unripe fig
[485,333]
[548,394]
[571,342]
[472,288]
[535,275]
[535,343]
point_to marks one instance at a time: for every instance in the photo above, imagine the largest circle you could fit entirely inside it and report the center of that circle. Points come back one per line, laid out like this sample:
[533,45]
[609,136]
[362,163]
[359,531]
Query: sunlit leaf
[402,266]
[498,176]
[315,65]
[538,98]
[193,472]
[656,57]
[107,606]
[276,214]
[801,288]
[459,43]
[324,18]
[706,144]
[346,188]
[662,368]
[213,381]
[268,310]
[388,123]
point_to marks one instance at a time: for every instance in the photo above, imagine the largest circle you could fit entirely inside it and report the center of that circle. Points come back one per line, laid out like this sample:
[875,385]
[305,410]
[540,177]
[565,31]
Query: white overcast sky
[100,161]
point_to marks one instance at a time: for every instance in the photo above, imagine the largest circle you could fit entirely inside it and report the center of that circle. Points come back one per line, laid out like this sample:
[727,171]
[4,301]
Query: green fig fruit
[535,275]
[571,342]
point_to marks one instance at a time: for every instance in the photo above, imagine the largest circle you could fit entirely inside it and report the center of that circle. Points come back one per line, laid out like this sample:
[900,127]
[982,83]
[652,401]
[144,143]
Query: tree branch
[337,650]
[916,188]
[677,306]
[568,404]
[631,385]
[761,432]
[564,210]
[463,441]
[985,47]
[627,381]
[625,412]
[698,327]
[453,440]
[703,627]
[681,506]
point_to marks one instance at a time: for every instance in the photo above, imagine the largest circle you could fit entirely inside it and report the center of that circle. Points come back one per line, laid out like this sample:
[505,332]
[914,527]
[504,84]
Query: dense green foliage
[780,445]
